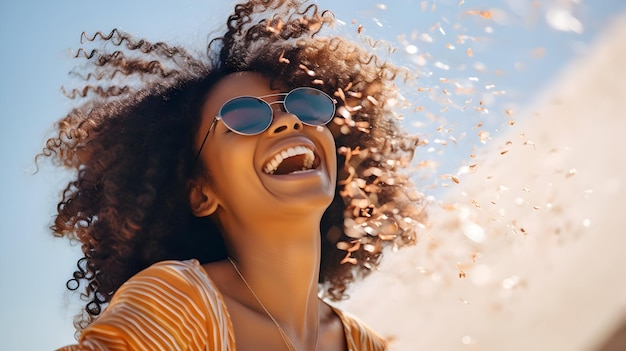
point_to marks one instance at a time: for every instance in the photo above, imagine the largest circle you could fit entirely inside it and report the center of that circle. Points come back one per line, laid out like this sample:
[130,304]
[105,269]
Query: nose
[284,122]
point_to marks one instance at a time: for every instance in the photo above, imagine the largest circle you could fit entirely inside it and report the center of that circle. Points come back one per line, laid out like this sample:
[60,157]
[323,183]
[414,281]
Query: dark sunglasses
[249,115]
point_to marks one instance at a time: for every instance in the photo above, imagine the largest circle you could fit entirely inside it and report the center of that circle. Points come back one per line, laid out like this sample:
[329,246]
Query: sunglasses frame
[260,98]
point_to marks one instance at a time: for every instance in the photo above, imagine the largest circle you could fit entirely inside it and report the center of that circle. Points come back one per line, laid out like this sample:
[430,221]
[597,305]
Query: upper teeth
[272,165]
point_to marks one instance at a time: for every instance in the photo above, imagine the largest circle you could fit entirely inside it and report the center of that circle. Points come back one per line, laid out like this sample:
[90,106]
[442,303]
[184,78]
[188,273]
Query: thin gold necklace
[286,339]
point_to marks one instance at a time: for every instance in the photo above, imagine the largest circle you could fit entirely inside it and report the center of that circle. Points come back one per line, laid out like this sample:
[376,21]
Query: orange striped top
[174,305]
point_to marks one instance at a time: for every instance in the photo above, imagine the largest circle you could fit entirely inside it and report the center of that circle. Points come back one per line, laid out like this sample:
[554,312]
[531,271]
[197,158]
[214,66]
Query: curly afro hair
[130,143]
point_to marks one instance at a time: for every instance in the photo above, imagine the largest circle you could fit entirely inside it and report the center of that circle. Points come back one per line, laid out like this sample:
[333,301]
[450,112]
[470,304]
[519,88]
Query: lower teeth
[300,171]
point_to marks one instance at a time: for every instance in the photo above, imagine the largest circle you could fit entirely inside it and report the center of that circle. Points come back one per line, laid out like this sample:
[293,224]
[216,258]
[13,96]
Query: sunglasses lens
[246,115]
[312,106]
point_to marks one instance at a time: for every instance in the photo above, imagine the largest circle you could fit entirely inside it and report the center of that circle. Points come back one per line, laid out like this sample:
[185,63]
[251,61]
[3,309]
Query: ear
[201,198]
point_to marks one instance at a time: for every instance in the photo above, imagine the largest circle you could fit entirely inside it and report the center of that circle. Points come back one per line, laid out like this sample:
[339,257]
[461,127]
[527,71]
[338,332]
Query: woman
[215,197]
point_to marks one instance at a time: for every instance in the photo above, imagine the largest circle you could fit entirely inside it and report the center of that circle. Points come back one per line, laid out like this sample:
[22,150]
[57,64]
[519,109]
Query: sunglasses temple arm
[206,136]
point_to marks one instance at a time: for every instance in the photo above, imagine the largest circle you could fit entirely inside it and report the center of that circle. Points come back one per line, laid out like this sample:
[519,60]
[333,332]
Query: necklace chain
[282,333]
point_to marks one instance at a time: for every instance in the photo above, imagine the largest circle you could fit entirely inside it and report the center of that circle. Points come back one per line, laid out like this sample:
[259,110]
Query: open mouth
[293,160]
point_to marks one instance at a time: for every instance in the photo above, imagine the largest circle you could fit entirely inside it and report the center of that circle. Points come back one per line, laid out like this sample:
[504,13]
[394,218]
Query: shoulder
[180,289]
[188,275]
[188,269]
[165,306]
[358,335]
[181,281]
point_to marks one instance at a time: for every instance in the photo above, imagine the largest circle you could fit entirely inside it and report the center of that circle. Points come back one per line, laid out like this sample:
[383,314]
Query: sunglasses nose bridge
[277,105]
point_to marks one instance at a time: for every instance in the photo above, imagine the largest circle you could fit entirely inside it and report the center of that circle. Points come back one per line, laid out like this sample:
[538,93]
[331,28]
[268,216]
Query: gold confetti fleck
[468,340]
[282,59]
[462,274]
[339,93]
[349,259]
[307,70]
[442,66]
[504,152]
[510,282]
[537,208]
[274,26]
[372,100]
[483,136]
[354,94]
[511,123]
[480,109]
[538,53]
[470,53]
[342,245]
[482,13]
[359,29]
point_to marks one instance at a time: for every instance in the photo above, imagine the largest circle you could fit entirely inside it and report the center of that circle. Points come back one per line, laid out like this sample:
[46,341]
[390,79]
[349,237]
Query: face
[288,169]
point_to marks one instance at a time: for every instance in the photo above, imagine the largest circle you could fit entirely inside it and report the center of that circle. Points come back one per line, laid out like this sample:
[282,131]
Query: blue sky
[517,51]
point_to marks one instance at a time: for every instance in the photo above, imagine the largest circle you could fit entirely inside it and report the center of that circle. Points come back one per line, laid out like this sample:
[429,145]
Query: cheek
[230,162]
[331,151]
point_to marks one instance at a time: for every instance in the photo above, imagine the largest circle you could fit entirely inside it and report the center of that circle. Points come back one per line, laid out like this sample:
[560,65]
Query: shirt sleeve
[171,305]
[359,337]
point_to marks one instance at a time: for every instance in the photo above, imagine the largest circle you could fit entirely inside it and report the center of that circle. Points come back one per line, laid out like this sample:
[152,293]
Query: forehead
[241,84]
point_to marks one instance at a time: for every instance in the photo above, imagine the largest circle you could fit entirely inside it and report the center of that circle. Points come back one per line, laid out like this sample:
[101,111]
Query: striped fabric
[174,305]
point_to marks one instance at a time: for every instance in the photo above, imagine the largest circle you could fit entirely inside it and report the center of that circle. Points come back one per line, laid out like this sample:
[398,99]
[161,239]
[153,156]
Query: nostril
[297,126]
[280,129]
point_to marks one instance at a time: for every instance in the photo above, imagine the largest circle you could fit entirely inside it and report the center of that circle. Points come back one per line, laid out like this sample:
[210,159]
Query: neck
[281,266]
